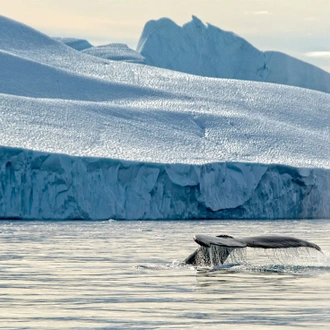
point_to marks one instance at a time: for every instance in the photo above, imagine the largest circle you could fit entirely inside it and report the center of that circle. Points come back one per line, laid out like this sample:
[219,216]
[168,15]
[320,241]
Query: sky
[300,28]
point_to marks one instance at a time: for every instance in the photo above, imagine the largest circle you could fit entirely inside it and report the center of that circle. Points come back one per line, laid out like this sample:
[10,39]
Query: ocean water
[120,275]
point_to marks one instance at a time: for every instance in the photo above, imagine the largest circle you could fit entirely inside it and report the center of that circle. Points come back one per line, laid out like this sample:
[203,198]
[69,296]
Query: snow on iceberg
[206,50]
[75,43]
[86,138]
[116,52]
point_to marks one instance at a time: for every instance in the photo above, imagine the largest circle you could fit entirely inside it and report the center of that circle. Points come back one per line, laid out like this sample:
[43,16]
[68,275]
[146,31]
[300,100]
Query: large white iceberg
[206,50]
[86,138]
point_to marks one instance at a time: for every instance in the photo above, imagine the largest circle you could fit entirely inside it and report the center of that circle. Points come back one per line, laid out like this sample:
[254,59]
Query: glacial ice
[116,52]
[87,138]
[36,185]
[206,50]
[75,43]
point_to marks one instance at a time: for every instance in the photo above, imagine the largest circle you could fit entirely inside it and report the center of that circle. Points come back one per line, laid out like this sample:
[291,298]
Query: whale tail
[209,256]
[216,249]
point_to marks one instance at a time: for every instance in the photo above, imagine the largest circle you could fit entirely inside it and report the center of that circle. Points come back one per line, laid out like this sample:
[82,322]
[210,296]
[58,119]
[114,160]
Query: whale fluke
[221,240]
[217,248]
[277,242]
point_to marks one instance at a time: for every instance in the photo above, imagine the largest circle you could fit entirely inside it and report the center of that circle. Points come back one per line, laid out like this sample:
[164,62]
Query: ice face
[50,186]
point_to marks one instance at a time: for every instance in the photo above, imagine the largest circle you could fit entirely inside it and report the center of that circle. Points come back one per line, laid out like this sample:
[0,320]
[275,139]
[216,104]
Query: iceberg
[83,137]
[75,43]
[116,52]
[36,185]
[206,50]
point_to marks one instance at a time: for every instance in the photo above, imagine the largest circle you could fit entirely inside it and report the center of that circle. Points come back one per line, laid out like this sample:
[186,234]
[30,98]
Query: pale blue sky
[300,28]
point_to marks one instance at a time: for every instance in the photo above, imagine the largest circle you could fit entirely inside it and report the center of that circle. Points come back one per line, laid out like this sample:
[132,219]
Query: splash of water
[209,250]
[301,260]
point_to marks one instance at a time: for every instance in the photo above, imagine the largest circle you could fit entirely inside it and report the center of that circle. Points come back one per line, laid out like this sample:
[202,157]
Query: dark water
[117,275]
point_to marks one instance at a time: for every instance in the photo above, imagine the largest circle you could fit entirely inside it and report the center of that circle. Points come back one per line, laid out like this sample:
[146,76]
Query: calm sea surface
[127,275]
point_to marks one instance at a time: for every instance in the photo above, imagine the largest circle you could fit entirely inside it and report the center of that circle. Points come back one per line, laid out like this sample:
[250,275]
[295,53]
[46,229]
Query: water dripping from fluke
[264,254]
[277,254]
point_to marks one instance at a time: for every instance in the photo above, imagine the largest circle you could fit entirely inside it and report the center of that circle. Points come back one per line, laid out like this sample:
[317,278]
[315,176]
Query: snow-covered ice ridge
[75,43]
[116,52]
[113,51]
[206,50]
[88,138]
